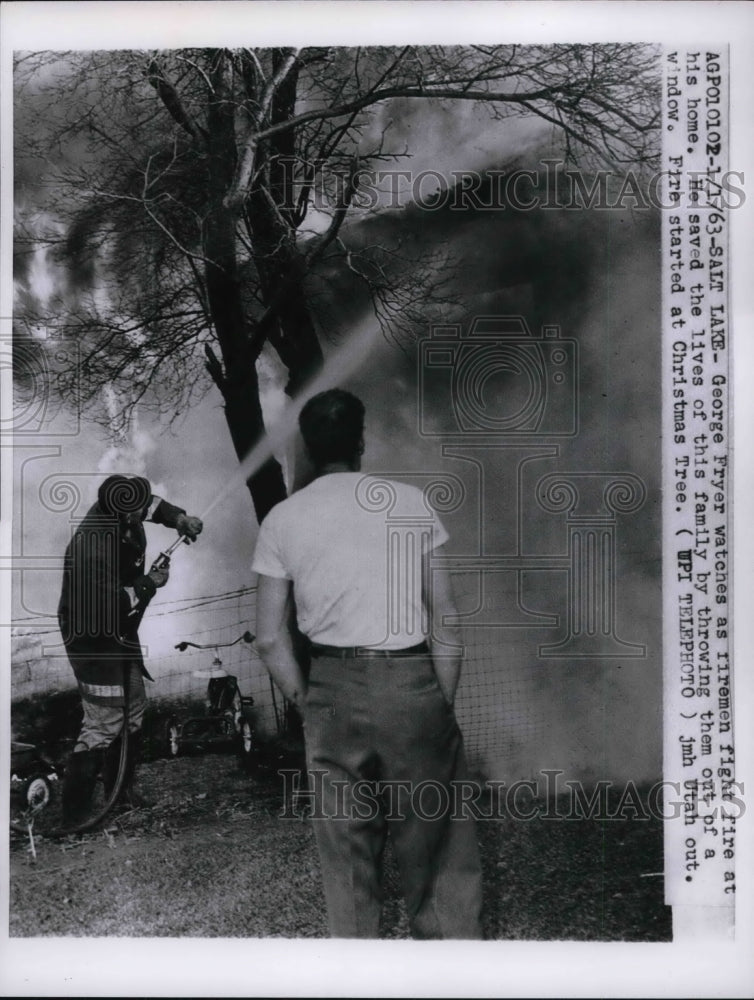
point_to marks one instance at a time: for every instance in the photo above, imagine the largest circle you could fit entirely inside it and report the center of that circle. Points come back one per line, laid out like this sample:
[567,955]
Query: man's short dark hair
[332,426]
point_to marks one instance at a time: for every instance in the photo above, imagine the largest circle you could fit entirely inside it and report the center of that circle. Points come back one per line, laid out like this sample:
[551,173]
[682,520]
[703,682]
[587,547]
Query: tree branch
[338,216]
[431,91]
[169,97]
[272,85]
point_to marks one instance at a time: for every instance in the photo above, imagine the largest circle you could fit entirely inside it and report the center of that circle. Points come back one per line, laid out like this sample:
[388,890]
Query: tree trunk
[293,335]
[238,382]
[277,258]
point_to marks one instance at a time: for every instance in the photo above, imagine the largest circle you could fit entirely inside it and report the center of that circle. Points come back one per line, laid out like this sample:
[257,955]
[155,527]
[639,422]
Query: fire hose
[160,563]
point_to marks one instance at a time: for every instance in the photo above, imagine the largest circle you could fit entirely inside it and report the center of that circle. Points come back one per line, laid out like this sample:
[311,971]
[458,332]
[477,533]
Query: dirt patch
[205,860]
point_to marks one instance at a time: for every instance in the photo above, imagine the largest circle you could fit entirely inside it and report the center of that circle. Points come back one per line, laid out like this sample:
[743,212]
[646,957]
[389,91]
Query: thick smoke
[596,275]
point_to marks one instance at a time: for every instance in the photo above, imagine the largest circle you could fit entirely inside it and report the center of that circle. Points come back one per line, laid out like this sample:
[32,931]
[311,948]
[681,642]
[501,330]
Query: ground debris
[214,859]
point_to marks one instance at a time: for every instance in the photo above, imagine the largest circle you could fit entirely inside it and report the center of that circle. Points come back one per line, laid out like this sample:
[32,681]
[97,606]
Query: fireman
[105,592]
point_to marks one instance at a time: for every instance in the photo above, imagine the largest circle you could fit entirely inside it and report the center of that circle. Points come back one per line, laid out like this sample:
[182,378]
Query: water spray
[339,365]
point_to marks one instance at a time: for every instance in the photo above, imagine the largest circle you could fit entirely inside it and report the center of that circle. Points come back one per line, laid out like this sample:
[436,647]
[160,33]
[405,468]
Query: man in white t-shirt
[382,743]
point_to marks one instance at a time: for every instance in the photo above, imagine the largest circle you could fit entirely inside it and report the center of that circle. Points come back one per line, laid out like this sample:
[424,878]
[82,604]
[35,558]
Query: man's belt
[352,652]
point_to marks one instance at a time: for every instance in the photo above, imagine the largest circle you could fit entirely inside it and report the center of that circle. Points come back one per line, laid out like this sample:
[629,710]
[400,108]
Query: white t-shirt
[352,545]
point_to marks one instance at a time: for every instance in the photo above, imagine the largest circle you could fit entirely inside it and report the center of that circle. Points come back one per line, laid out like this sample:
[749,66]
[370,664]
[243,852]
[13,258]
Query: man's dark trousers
[383,724]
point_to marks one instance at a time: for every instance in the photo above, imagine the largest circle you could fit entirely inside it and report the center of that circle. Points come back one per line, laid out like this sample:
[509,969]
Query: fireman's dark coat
[97,617]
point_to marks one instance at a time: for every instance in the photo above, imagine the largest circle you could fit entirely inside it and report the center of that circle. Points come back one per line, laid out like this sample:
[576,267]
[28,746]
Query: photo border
[312,968]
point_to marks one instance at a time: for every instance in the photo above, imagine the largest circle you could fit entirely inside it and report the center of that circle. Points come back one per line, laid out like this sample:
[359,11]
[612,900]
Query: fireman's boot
[78,786]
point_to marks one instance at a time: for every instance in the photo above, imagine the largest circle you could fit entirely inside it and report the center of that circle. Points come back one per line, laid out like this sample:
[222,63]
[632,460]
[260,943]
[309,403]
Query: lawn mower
[32,776]
[32,779]
[227,721]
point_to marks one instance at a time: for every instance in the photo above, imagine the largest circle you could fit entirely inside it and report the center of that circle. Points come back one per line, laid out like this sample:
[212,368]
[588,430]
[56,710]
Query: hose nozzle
[163,559]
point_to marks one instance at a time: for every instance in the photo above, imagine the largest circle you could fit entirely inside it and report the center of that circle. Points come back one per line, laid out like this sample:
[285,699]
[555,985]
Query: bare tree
[199,194]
